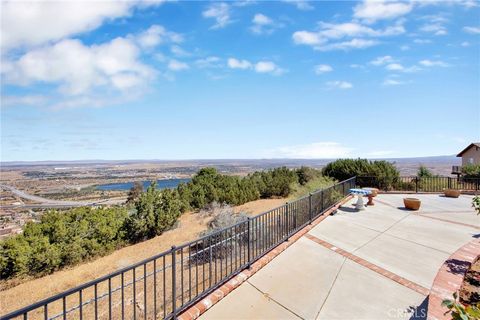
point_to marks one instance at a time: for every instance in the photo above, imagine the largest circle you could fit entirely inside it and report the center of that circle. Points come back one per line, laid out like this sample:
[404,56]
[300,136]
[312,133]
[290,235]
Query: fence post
[322,202]
[416,184]
[249,257]
[449,183]
[174,283]
[310,208]
[286,221]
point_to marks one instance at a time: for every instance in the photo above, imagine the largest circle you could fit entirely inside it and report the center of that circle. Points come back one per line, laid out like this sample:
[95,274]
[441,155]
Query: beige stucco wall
[472,153]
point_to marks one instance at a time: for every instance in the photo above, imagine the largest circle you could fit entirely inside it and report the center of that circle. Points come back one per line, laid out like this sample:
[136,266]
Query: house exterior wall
[471,156]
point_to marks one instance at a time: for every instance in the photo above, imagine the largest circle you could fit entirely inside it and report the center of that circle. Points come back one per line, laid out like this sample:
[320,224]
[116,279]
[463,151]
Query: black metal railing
[168,283]
[456,169]
[420,184]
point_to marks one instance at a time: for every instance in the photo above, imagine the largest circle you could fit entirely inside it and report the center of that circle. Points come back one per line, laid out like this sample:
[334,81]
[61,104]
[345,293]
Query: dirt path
[190,225]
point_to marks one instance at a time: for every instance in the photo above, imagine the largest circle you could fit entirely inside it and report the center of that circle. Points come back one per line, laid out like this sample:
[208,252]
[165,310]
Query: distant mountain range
[445,160]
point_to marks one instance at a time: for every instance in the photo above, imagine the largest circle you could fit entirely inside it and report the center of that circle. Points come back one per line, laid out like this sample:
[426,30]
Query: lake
[161,184]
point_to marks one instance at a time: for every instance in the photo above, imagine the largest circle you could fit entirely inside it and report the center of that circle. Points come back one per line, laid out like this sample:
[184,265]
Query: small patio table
[360,193]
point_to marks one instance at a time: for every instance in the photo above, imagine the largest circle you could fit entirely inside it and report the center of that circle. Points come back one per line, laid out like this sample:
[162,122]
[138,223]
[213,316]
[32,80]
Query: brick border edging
[206,303]
[446,282]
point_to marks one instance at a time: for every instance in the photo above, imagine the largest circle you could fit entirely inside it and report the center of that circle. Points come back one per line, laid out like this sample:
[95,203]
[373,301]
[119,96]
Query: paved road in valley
[49,203]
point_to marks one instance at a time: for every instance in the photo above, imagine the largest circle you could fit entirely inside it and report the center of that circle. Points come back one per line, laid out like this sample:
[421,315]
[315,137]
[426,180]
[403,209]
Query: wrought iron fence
[166,284]
[420,184]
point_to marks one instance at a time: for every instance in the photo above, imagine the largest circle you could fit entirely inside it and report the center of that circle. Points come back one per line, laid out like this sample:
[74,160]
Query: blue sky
[249,79]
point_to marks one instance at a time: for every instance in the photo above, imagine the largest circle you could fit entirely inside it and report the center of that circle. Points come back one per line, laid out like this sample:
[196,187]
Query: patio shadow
[456,266]
[347,209]
[419,312]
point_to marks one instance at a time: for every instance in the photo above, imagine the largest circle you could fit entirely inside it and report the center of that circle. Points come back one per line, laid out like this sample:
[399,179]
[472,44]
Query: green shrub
[460,312]
[471,171]
[60,239]
[156,211]
[424,172]
[476,204]
[385,173]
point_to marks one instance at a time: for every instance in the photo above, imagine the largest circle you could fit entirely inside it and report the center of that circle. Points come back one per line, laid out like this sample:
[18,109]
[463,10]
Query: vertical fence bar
[249,254]
[174,284]
[165,289]
[286,222]
[96,301]
[145,290]
[110,298]
[155,288]
[64,306]
[80,302]
[123,295]
[310,214]
[321,200]
[416,184]
[134,295]
[210,253]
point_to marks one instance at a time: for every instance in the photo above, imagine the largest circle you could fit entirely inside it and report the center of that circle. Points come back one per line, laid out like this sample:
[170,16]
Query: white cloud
[209,62]
[465,44]
[330,36]
[347,45]
[24,100]
[300,4]
[435,28]
[422,41]
[238,64]
[473,30]
[179,51]
[357,66]
[262,20]
[156,35]
[261,24]
[268,67]
[401,68]
[373,10]
[36,23]
[465,3]
[175,65]
[78,69]
[404,47]
[352,29]
[316,150]
[379,61]
[307,38]
[339,85]
[259,67]
[220,12]
[322,68]
[431,63]
[394,67]
[392,82]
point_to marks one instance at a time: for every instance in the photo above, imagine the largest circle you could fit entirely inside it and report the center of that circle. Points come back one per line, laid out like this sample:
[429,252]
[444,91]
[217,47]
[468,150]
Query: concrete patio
[379,263]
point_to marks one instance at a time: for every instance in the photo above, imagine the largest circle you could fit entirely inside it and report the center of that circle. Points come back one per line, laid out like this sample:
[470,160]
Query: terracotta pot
[452,193]
[412,203]
[374,191]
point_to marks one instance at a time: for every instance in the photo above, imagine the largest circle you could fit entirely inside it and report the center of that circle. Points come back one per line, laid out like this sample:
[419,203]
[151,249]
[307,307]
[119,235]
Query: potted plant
[451,193]
[412,203]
